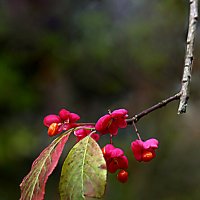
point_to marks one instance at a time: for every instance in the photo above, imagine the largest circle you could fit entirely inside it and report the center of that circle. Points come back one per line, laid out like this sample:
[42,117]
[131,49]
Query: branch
[183,95]
[193,15]
[161,104]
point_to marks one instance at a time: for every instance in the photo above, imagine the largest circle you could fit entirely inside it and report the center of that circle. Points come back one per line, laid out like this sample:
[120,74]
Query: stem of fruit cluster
[161,104]
[136,130]
[111,136]
[86,124]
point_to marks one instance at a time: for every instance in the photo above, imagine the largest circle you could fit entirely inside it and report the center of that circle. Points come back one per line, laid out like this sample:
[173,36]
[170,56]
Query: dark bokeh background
[89,56]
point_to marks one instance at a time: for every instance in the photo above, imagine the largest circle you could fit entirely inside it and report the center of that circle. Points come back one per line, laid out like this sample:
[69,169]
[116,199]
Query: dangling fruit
[122,176]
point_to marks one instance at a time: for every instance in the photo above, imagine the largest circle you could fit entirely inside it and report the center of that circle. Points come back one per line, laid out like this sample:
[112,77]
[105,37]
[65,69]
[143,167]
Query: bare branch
[153,108]
[193,15]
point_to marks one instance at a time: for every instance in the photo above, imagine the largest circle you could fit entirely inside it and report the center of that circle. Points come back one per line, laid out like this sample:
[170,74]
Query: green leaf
[33,185]
[84,172]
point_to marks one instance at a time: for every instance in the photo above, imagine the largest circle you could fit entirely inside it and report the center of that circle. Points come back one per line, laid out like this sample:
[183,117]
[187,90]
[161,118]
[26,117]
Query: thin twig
[111,136]
[151,109]
[136,130]
[193,16]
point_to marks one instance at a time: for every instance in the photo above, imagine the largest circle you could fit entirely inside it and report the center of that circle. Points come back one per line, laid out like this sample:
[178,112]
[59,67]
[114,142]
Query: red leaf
[33,185]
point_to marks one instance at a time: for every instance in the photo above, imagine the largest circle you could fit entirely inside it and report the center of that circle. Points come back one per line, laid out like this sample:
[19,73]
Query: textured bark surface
[193,16]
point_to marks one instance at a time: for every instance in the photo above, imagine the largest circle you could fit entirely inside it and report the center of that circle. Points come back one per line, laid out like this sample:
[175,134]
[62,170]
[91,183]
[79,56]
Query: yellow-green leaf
[84,172]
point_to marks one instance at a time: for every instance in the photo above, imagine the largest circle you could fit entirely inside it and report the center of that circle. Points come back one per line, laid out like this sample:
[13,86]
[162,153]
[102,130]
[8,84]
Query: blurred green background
[90,56]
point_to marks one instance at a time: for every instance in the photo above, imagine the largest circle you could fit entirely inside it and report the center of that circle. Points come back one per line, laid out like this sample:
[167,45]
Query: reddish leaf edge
[61,139]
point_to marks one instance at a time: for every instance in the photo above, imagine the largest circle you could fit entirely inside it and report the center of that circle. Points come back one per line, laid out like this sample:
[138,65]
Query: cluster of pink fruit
[107,124]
